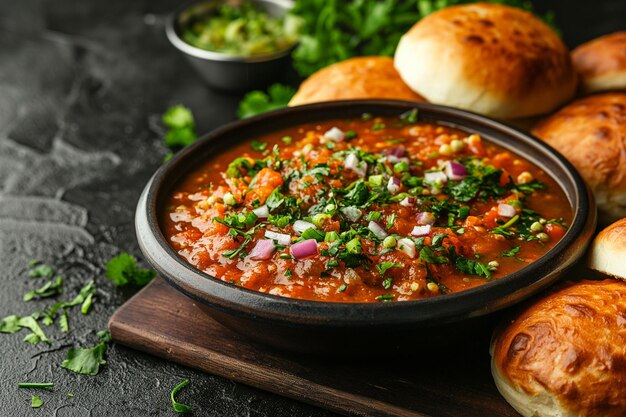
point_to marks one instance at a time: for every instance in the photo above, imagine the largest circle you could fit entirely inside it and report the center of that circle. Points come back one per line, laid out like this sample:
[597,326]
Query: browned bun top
[601,63]
[608,250]
[490,58]
[570,347]
[591,133]
[355,78]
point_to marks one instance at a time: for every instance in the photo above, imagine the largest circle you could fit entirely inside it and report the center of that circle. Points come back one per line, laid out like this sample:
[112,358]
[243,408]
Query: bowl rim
[476,301]
[174,38]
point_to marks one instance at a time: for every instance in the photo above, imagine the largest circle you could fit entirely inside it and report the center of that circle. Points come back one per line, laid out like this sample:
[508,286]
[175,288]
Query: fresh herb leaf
[123,270]
[49,289]
[85,361]
[530,187]
[410,116]
[13,323]
[179,407]
[383,268]
[36,401]
[429,256]
[258,146]
[41,271]
[35,385]
[385,297]
[257,102]
[512,252]
[178,117]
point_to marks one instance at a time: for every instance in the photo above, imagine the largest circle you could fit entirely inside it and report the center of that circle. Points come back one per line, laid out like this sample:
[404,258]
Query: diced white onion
[335,134]
[435,177]
[506,210]
[407,246]
[419,231]
[300,226]
[352,213]
[408,201]
[282,238]
[352,163]
[262,212]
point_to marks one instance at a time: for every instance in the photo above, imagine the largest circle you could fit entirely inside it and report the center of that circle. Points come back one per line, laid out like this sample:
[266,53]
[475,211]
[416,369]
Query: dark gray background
[82,87]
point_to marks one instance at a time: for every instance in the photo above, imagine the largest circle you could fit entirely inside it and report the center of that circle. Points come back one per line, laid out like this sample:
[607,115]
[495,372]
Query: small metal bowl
[361,328]
[223,71]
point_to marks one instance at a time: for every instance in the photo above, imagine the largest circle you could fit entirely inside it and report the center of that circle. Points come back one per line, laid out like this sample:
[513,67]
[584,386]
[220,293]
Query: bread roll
[608,250]
[601,63]
[565,355]
[591,133]
[488,58]
[355,78]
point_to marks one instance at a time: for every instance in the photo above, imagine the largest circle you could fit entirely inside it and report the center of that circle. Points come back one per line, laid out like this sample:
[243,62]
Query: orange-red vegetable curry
[373,209]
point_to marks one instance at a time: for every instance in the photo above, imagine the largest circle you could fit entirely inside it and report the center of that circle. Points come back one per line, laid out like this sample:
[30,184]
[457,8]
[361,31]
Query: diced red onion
[262,212]
[455,171]
[393,186]
[407,246]
[377,229]
[408,201]
[263,249]
[394,159]
[425,218]
[304,249]
[435,176]
[335,134]
[300,226]
[352,213]
[419,231]
[506,210]
[398,151]
[282,238]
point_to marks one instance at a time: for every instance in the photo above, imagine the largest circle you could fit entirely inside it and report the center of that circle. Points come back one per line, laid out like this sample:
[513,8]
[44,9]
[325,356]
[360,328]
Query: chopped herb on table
[179,407]
[36,401]
[85,361]
[123,270]
[35,385]
[257,102]
[181,130]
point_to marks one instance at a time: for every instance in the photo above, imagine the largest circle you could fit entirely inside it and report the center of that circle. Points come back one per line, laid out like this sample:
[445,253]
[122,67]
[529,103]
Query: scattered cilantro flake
[104,335]
[85,361]
[35,385]
[123,270]
[385,297]
[258,146]
[179,138]
[257,102]
[49,289]
[13,323]
[410,116]
[41,271]
[342,287]
[36,401]
[179,407]
[512,252]
[178,117]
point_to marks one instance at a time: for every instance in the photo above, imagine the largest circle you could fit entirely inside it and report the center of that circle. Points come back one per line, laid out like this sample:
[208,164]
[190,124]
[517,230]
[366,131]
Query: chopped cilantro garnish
[279,220]
[179,407]
[41,271]
[258,146]
[391,220]
[35,385]
[429,256]
[49,289]
[350,134]
[512,252]
[385,297]
[342,287]
[13,323]
[410,116]
[383,268]
[123,270]
[257,102]
[36,401]
[530,187]
[85,361]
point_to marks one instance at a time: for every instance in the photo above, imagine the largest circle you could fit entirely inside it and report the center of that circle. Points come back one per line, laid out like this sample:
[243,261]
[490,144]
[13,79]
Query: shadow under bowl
[357,329]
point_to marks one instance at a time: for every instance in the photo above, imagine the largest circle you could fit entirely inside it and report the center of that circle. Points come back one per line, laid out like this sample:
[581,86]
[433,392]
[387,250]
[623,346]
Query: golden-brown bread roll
[492,59]
[601,63]
[565,355]
[355,78]
[591,133]
[608,250]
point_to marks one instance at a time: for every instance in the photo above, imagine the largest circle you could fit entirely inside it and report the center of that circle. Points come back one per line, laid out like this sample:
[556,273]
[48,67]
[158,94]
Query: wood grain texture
[455,382]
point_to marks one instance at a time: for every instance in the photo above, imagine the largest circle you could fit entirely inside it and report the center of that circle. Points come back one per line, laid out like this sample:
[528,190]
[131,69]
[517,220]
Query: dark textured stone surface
[82,85]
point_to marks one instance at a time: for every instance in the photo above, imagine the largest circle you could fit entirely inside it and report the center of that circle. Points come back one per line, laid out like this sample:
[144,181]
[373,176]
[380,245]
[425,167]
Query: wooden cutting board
[455,382]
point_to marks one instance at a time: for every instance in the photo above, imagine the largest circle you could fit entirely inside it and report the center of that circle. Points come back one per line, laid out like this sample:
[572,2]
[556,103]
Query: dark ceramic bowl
[361,328]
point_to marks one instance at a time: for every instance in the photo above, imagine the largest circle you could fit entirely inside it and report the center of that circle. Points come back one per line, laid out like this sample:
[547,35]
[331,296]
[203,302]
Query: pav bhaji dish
[365,210]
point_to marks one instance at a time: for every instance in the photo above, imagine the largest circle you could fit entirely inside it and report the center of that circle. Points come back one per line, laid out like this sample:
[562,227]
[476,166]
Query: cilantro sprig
[123,270]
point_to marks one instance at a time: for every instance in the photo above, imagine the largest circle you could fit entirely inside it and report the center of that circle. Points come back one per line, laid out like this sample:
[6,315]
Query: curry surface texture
[365,210]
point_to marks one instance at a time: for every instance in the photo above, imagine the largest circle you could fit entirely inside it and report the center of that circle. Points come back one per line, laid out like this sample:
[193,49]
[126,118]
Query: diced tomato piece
[555,231]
